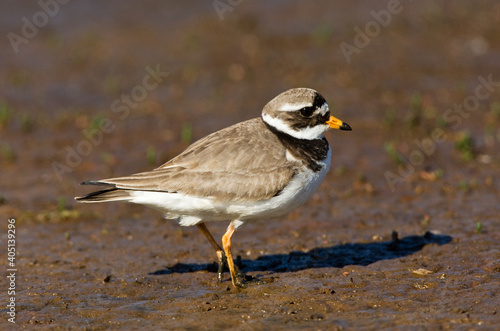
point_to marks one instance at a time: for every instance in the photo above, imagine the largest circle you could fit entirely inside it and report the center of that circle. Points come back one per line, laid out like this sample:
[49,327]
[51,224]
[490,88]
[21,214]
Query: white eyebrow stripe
[294,106]
[324,109]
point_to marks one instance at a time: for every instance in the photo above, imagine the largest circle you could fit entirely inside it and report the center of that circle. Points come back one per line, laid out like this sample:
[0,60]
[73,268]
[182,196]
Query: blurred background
[73,105]
[95,89]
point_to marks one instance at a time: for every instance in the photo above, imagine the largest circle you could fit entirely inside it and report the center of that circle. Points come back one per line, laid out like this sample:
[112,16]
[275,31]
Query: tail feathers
[109,194]
[96,182]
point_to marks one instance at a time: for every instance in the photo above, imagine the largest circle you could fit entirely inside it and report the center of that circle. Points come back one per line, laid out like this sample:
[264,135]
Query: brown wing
[242,162]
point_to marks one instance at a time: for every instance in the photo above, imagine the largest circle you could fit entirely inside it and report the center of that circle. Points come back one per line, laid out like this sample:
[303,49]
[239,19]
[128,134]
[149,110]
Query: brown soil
[403,233]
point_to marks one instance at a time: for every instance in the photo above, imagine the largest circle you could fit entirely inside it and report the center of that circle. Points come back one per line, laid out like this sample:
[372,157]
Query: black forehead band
[318,100]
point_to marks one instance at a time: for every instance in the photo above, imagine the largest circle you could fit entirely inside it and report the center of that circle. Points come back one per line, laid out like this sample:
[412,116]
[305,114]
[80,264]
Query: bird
[257,169]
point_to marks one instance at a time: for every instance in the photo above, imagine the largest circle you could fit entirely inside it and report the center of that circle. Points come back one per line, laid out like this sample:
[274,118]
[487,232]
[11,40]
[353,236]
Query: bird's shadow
[337,256]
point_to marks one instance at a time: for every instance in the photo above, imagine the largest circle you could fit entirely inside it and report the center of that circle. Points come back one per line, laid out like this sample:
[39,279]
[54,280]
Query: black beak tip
[345,127]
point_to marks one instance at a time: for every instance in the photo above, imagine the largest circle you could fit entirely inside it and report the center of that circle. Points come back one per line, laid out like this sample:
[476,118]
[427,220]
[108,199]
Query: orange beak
[335,123]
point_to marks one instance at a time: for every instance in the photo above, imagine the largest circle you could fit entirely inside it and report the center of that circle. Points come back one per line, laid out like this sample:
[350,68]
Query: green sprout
[415,111]
[495,109]
[463,185]
[390,118]
[151,155]
[95,122]
[322,34]
[465,145]
[61,203]
[7,152]
[390,149]
[4,114]
[186,133]
[26,123]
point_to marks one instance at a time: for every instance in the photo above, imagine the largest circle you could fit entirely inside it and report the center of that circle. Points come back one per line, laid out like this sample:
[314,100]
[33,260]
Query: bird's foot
[239,279]
[222,264]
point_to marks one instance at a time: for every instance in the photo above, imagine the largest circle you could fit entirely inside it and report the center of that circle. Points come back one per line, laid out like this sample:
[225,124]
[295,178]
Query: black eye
[307,111]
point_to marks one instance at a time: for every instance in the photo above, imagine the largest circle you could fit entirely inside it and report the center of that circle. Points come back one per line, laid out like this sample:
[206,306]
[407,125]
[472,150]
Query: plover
[258,169]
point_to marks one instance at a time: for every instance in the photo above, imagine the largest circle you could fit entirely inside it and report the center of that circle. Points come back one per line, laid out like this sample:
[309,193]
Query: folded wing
[244,162]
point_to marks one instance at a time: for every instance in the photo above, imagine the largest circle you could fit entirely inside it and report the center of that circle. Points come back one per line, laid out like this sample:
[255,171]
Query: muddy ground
[403,233]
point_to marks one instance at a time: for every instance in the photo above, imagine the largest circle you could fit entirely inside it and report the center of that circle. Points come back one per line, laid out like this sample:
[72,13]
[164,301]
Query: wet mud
[402,234]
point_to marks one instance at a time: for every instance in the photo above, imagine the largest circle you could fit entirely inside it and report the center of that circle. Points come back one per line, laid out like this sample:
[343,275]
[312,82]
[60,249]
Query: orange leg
[218,250]
[236,276]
